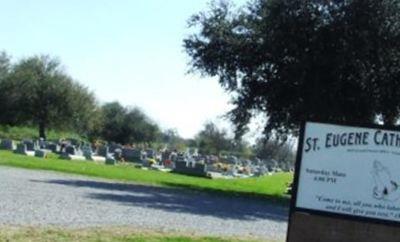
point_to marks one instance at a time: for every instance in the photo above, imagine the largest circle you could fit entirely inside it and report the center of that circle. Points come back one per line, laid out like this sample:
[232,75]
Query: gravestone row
[190,162]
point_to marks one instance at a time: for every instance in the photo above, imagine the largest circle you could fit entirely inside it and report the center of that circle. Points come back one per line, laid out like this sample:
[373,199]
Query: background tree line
[37,92]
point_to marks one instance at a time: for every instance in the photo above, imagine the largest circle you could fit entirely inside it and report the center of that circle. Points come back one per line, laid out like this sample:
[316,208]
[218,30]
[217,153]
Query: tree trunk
[42,130]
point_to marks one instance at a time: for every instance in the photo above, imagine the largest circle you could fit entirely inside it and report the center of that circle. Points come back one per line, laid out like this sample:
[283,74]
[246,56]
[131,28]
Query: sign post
[347,184]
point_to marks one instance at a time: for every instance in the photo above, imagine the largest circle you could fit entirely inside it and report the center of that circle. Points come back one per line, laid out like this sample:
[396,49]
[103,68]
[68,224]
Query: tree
[296,60]
[5,65]
[141,128]
[6,99]
[39,92]
[212,140]
[241,148]
[276,150]
[84,112]
[173,140]
[113,122]
[127,126]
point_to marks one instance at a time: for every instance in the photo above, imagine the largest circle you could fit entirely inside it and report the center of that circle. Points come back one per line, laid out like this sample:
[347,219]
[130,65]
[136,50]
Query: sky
[129,51]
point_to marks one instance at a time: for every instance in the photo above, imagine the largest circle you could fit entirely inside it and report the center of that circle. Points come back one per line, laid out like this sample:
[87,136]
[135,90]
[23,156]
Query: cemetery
[317,76]
[187,163]
[271,186]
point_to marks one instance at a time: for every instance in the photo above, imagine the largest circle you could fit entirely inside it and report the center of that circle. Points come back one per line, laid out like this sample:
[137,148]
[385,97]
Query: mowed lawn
[101,235]
[271,187]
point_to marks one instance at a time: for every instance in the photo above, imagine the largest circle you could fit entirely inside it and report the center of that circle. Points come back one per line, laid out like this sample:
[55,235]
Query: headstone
[260,171]
[180,166]
[30,145]
[41,153]
[231,171]
[200,168]
[7,144]
[193,152]
[113,147]
[190,161]
[42,143]
[63,145]
[71,150]
[118,154]
[68,156]
[74,142]
[180,158]
[132,155]
[110,160]
[211,159]
[103,151]
[143,155]
[232,160]
[195,170]
[166,155]
[151,153]
[53,147]
[166,159]
[87,152]
[21,149]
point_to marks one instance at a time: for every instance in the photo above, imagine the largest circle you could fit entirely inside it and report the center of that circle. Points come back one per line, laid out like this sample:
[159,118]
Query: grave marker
[7,144]
[103,151]
[21,149]
[133,155]
[30,145]
[71,150]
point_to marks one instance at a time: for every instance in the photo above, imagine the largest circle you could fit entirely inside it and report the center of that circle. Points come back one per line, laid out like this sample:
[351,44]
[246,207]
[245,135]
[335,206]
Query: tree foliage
[127,126]
[270,149]
[212,140]
[5,65]
[7,114]
[296,60]
[38,92]
[173,140]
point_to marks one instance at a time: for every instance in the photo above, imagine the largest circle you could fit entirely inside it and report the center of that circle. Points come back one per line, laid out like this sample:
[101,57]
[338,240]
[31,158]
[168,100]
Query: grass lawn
[99,235]
[271,187]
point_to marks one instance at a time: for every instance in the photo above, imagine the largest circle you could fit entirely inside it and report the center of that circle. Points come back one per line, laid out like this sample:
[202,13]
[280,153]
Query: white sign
[351,171]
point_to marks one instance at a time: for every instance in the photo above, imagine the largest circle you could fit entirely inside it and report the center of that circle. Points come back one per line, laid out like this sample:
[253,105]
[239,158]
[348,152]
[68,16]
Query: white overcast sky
[123,50]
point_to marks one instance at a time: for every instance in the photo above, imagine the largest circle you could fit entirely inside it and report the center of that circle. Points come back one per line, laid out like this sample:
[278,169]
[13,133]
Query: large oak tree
[38,92]
[295,60]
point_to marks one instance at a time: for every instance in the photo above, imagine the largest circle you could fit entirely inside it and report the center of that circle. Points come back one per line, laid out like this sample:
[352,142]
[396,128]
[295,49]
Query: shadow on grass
[178,200]
[277,200]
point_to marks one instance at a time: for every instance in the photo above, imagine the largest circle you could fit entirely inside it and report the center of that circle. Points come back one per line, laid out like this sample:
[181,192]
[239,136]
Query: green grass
[271,187]
[100,235]
[24,132]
